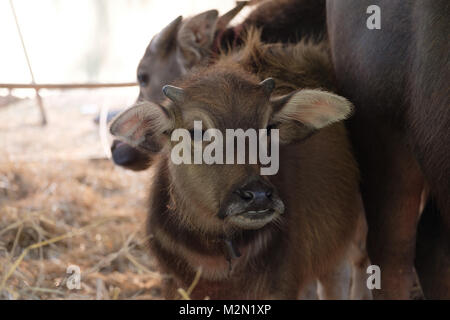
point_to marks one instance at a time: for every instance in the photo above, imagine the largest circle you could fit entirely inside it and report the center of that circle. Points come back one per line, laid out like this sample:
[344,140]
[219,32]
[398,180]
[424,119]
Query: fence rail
[37,87]
[66,86]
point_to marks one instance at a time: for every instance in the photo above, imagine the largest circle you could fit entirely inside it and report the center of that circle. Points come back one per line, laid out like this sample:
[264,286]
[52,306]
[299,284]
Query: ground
[63,203]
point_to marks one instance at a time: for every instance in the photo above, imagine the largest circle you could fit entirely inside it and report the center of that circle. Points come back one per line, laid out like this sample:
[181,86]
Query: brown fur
[318,182]
[289,20]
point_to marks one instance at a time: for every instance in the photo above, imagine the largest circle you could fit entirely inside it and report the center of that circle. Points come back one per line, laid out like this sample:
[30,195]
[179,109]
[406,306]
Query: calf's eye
[143,79]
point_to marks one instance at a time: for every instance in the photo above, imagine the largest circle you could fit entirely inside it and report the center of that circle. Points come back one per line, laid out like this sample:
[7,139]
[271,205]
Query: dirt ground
[62,204]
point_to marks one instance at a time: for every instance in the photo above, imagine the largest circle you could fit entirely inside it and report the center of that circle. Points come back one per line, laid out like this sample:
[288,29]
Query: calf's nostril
[254,195]
[247,195]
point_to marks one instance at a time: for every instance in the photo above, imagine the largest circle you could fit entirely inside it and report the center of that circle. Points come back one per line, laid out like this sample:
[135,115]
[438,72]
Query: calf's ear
[143,126]
[195,37]
[303,112]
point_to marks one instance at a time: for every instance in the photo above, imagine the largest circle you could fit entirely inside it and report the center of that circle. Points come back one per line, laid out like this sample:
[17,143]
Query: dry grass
[84,213]
[61,204]
[58,208]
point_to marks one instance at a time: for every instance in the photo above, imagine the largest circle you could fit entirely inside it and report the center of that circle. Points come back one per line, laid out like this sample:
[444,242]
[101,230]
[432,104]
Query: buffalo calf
[253,236]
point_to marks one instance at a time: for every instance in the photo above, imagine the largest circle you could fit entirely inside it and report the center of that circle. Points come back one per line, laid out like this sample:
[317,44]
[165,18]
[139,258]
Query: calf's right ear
[303,112]
[143,126]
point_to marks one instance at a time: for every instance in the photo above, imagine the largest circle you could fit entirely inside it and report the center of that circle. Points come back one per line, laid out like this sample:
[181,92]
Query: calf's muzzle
[252,206]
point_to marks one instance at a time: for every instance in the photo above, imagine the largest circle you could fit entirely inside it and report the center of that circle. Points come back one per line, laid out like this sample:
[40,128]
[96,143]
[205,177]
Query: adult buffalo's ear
[195,37]
[301,113]
[166,37]
[143,126]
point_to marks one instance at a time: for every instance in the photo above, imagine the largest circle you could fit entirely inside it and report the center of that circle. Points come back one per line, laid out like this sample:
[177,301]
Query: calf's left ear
[303,112]
[143,126]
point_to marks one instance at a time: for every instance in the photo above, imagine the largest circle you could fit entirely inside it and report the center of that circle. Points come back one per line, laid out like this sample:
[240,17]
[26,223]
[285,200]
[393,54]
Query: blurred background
[76,41]
[86,40]
[62,202]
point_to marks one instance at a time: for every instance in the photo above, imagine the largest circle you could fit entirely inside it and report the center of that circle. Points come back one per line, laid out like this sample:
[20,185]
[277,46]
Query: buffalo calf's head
[234,192]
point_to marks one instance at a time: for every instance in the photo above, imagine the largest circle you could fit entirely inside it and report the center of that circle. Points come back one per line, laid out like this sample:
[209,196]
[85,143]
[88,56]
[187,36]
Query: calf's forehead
[227,104]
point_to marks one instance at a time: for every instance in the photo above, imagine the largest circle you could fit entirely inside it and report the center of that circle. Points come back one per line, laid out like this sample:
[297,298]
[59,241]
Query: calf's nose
[256,195]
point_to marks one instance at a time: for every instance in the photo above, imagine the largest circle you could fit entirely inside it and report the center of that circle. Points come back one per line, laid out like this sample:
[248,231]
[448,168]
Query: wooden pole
[33,81]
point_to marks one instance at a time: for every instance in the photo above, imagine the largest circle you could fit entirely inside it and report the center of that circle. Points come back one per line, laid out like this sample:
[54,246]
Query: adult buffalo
[398,78]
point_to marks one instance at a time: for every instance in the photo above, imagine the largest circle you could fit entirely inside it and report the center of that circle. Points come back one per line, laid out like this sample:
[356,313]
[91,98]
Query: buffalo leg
[433,252]
[391,188]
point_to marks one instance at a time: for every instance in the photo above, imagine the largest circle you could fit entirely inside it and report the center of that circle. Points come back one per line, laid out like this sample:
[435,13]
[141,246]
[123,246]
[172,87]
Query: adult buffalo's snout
[129,157]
